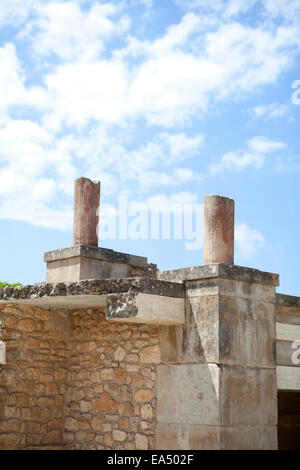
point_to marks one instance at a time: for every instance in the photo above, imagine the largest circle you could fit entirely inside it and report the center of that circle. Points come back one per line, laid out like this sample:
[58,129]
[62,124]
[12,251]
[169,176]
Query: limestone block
[288,378]
[188,394]
[209,394]
[227,329]
[248,396]
[248,438]
[145,308]
[196,437]
[187,437]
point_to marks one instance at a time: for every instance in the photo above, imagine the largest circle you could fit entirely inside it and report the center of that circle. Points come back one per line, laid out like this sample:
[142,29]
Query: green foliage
[5,284]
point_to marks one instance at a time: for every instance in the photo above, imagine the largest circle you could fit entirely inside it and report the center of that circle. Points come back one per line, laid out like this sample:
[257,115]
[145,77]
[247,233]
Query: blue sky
[164,102]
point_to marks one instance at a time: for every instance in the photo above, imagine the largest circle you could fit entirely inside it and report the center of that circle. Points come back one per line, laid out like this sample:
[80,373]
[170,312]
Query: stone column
[217,387]
[218,230]
[86,212]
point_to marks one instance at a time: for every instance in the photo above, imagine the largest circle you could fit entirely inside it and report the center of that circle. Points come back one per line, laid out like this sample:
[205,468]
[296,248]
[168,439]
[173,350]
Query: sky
[163,101]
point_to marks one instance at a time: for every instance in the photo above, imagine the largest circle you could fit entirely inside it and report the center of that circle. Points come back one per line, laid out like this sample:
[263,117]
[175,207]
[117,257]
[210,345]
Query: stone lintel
[288,300]
[143,300]
[145,308]
[219,270]
[89,251]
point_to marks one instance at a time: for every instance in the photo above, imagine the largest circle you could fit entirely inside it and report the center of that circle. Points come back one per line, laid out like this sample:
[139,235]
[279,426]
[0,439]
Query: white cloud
[237,161]
[148,166]
[264,145]
[15,11]
[76,119]
[248,240]
[14,92]
[166,203]
[270,111]
[181,146]
[288,9]
[225,8]
[35,175]
[64,29]
[166,81]
[11,81]
[253,155]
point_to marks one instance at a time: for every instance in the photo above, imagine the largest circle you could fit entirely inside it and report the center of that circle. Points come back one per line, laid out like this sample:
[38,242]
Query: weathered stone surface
[171,341]
[288,300]
[103,254]
[119,436]
[86,212]
[141,442]
[84,261]
[221,270]
[218,230]
[248,438]
[229,329]
[151,355]
[255,387]
[288,378]
[173,436]
[146,412]
[105,404]
[119,354]
[145,308]
[34,292]
[65,388]
[188,394]
[143,396]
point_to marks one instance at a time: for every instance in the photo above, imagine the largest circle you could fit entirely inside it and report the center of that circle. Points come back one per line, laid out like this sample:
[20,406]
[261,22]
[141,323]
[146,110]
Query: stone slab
[288,300]
[95,252]
[287,314]
[145,308]
[188,394]
[92,287]
[228,330]
[221,270]
[208,394]
[288,378]
[173,436]
[287,332]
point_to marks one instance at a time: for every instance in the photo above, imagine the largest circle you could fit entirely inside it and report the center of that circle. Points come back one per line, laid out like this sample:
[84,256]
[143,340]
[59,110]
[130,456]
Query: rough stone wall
[33,380]
[73,380]
[111,398]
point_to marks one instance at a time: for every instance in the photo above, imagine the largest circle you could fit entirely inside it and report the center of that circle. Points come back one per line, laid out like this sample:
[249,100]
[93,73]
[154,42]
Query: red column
[86,212]
[218,230]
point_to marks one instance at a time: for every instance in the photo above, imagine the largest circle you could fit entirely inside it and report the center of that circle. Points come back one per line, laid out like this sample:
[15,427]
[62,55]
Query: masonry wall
[72,380]
[33,380]
[111,398]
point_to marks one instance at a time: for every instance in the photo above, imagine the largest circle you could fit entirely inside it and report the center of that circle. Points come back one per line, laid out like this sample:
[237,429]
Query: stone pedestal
[222,380]
[81,262]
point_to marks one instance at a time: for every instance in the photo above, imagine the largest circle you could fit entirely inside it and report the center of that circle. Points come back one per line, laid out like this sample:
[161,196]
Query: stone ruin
[111,353]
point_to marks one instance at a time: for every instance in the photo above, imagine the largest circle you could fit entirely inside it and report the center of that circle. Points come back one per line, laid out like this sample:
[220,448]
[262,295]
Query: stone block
[172,436]
[208,394]
[248,396]
[188,394]
[227,329]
